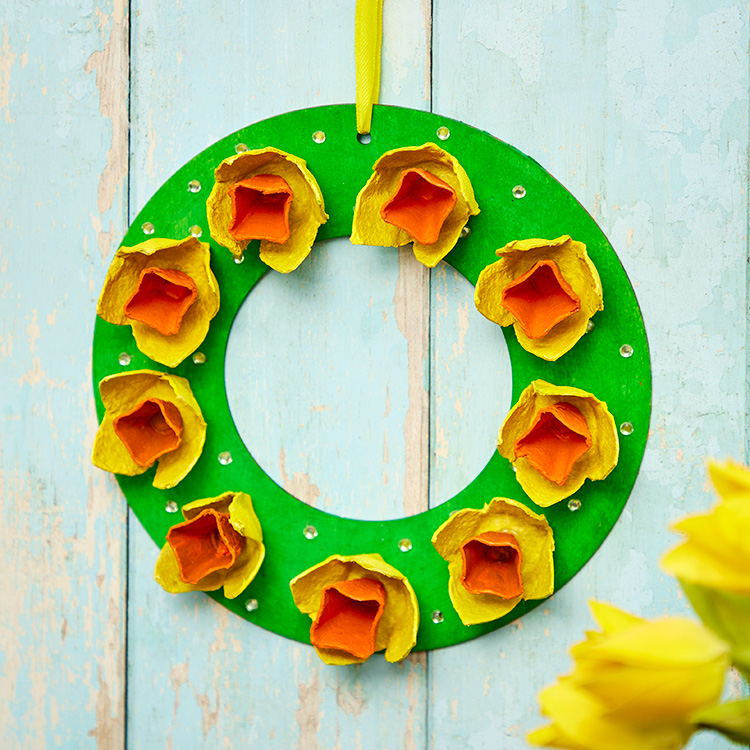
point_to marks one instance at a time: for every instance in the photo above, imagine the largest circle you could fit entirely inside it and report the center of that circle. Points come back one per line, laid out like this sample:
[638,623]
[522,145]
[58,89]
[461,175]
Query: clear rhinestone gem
[194,186]
[319,136]
[309,532]
[251,605]
[239,259]
[199,358]
[443,133]
[437,617]
[171,507]
[241,148]
[589,326]
[574,504]
[147,227]
[405,545]
[196,231]
[124,359]
[626,428]
[225,458]
[465,231]
[519,191]
[626,351]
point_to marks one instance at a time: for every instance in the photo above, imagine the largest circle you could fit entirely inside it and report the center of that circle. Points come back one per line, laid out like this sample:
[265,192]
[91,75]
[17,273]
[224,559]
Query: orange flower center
[558,437]
[161,299]
[205,544]
[540,299]
[420,205]
[260,208]
[151,429]
[492,565]
[348,617]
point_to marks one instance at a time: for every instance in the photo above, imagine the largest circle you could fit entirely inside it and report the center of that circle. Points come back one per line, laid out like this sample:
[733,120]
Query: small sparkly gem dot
[196,231]
[171,507]
[626,428]
[194,186]
[626,351]
[225,458]
[319,136]
[199,358]
[239,259]
[240,148]
[443,133]
[589,326]
[310,532]
[147,227]
[405,545]
[519,191]
[251,605]
[124,359]
[574,504]
[465,231]
[437,617]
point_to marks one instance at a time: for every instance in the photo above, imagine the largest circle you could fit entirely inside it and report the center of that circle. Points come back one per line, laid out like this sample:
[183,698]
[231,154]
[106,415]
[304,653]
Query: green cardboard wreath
[518,199]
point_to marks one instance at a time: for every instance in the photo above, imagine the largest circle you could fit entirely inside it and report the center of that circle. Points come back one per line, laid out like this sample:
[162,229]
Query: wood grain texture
[376,387]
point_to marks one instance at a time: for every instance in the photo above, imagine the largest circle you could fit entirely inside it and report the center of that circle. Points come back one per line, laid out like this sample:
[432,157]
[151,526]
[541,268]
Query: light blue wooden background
[639,108]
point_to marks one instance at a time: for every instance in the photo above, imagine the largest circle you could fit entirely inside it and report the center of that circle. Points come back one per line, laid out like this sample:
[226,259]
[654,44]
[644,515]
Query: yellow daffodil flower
[150,417]
[166,292]
[220,543]
[271,196]
[358,605]
[636,685]
[713,563]
[557,437]
[419,194]
[546,289]
[496,556]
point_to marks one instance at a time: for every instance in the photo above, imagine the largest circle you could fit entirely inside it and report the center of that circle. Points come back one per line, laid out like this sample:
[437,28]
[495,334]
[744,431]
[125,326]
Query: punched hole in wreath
[365,384]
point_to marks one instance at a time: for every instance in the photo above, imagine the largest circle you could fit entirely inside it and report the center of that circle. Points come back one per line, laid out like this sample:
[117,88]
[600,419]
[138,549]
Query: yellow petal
[519,257]
[397,630]
[368,228]
[122,392]
[534,536]
[306,214]
[167,575]
[189,256]
[731,480]
[716,553]
[611,619]
[595,464]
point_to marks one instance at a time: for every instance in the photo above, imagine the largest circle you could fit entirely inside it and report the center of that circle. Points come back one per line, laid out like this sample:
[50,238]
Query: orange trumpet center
[558,437]
[205,544]
[420,205]
[260,208]
[151,429]
[161,299]
[540,299]
[492,565]
[348,617]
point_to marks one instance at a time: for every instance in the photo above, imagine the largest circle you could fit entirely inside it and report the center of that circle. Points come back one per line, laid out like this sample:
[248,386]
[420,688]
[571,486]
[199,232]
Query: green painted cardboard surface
[342,165]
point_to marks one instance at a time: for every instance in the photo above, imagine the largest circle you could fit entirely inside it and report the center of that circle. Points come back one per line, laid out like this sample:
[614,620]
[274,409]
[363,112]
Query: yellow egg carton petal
[519,257]
[534,536]
[595,464]
[397,630]
[242,516]
[189,256]
[368,228]
[120,394]
[306,214]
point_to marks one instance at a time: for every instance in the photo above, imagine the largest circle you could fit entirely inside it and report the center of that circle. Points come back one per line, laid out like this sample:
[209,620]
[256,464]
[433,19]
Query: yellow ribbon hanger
[368,33]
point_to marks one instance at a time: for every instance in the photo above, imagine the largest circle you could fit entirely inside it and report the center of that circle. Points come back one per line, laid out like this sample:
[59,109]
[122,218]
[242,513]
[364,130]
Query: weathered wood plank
[327,412]
[63,78]
[640,110]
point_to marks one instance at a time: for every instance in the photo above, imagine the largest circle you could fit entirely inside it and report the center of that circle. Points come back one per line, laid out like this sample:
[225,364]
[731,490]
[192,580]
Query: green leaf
[726,613]
[730,719]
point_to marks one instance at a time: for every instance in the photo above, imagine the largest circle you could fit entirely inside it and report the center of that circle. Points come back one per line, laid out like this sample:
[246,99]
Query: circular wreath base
[518,200]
